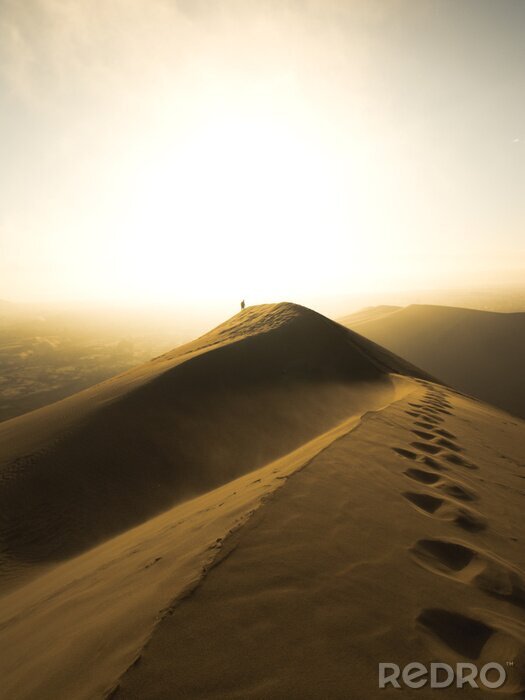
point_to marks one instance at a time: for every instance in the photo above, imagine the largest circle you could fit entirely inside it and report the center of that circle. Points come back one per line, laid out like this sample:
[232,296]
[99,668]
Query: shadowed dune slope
[478,352]
[255,388]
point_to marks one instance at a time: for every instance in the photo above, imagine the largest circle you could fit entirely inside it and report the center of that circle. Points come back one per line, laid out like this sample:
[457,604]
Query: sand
[479,352]
[386,527]
[93,465]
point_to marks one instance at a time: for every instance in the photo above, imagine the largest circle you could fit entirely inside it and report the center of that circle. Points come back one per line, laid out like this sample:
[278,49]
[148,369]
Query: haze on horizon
[165,151]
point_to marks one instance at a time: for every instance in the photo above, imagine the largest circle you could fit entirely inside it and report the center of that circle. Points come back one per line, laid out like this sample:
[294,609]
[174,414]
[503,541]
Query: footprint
[496,639]
[431,417]
[469,566]
[459,461]
[457,491]
[425,447]
[408,454]
[433,463]
[415,405]
[424,435]
[464,635]
[425,501]
[447,486]
[414,414]
[435,420]
[427,426]
[468,520]
[438,403]
[445,509]
[446,434]
[422,476]
[430,409]
[442,556]
[449,445]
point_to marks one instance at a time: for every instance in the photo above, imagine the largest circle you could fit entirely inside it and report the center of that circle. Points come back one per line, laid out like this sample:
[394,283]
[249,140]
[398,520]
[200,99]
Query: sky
[199,151]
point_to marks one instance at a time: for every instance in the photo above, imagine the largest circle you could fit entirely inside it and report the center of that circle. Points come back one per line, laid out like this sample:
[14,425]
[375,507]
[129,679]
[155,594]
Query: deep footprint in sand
[425,425]
[449,445]
[431,417]
[442,556]
[446,509]
[438,403]
[470,521]
[493,639]
[464,635]
[431,412]
[445,433]
[459,461]
[422,476]
[424,435]
[435,420]
[430,409]
[442,483]
[473,567]
[424,501]
[407,454]
[456,491]
[433,463]
[426,447]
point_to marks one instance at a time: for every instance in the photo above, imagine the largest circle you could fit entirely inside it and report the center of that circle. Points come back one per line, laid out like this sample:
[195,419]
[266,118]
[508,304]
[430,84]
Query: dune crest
[282,493]
[378,550]
[257,387]
[477,352]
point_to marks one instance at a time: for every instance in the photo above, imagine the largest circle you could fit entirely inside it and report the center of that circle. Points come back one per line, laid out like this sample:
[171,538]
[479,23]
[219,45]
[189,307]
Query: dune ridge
[267,512]
[342,570]
[74,630]
[478,352]
[253,389]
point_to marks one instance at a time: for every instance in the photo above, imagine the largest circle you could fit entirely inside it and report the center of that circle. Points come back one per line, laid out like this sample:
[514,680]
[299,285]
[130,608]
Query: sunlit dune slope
[255,388]
[478,352]
[401,541]
[394,534]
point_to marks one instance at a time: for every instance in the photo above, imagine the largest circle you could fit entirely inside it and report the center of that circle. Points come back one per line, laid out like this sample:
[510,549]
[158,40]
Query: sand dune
[110,457]
[268,512]
[478,352]
[381,549]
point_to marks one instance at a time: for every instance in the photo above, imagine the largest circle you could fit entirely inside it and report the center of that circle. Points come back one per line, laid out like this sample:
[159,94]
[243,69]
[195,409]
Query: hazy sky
[209,150]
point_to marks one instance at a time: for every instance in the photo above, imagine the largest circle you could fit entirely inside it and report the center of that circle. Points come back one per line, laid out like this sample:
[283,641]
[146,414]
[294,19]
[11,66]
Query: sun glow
[175,151]
[244,199]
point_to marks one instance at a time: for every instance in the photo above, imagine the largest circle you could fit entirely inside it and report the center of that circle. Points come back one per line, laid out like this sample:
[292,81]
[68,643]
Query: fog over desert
[262,344]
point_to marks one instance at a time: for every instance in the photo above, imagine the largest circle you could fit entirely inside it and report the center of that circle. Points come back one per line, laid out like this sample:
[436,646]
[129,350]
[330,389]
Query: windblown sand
[388,526]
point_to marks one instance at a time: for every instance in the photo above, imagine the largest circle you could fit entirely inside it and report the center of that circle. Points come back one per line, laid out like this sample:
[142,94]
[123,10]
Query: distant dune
[268,512]
[46,354]
[479,352]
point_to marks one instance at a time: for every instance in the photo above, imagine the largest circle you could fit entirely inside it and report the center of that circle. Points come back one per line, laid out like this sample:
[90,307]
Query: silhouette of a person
[242,304]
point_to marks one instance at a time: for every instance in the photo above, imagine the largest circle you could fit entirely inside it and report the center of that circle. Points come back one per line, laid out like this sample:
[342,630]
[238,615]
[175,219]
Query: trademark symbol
[509,663]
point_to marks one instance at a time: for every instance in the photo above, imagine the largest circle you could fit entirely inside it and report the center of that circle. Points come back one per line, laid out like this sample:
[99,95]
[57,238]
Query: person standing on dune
[242,305]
